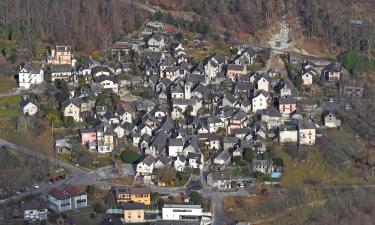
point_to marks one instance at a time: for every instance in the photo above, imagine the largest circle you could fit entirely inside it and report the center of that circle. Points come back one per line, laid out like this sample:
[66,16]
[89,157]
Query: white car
[35,186]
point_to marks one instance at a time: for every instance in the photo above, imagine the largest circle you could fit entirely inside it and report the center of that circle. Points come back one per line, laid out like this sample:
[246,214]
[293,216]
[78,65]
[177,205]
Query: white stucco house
[288,134]
[306,132]
[29,106]
[146,166]
[27,76]
[71,108]
[260,101]
[175,147]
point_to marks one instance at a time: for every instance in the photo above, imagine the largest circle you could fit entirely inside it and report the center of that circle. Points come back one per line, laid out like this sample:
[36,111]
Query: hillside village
[196,119]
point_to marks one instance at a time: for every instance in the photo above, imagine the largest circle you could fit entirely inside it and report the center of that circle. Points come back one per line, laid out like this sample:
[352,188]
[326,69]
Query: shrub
[195,197]
[357,63]
[129,156]
[98,207]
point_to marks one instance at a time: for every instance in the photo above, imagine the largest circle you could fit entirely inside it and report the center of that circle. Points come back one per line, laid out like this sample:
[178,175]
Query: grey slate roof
[63,68]
[220,175]
[149,160]
[176,142]
[287,100]
[235,67]
[305,124]
[102,78]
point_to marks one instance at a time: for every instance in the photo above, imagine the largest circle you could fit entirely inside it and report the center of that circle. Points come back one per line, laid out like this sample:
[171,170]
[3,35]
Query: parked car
[35,186]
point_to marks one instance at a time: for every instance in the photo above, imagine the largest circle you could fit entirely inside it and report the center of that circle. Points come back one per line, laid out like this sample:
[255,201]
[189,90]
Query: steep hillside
[84,24]
[315,22]
[89,25]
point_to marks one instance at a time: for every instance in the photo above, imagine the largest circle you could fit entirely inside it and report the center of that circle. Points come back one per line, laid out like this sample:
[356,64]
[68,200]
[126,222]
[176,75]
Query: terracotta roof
[58,194]
[67,192]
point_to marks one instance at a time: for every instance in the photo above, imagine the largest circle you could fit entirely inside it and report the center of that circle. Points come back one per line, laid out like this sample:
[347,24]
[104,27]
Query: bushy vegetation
[129,156]
[357,63]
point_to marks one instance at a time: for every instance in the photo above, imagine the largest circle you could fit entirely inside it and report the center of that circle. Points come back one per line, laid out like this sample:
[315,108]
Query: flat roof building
[181,212]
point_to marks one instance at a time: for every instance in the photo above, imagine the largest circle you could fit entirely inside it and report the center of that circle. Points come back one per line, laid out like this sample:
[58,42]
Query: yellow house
[60,55]
[235,70]
[109,139]
[133,194]
[134,212]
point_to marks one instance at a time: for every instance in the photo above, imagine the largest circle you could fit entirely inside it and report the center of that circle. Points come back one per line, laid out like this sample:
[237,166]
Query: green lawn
[199,53]
[298,173]
[6,84]
[9,106]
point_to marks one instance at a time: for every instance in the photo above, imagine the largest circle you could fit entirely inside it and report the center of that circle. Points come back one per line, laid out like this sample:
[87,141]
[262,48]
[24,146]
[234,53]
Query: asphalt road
[79,176]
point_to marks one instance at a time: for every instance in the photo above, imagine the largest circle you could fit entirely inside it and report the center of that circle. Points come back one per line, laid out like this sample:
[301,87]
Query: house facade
[68,198]
[61,55]
[133,194]
[287,105]
[219,180]
[72,109]
[260,101]
[306,133]
[27,76]
[134,212]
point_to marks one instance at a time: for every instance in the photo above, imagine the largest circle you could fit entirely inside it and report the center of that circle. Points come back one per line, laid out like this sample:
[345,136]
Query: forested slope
[84,23]
[90,24]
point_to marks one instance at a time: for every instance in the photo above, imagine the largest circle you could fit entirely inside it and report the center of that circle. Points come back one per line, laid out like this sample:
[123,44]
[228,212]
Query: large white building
[260,101]
[306,133]
[288,134]
[28,76]
[175,147]
[68,198]
[181,212]
[61,72]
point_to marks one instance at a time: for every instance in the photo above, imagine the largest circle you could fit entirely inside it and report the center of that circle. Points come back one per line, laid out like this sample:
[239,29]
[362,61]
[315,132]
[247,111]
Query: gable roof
[176,142]
[219,58]
[67,102]
[101,78]
[216,176]
[287,100]
[263,93]
[133,206]
[26,100]
[100,68]
[333,67]
[157,36]
[62,68]
[235,67]
[149,160]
